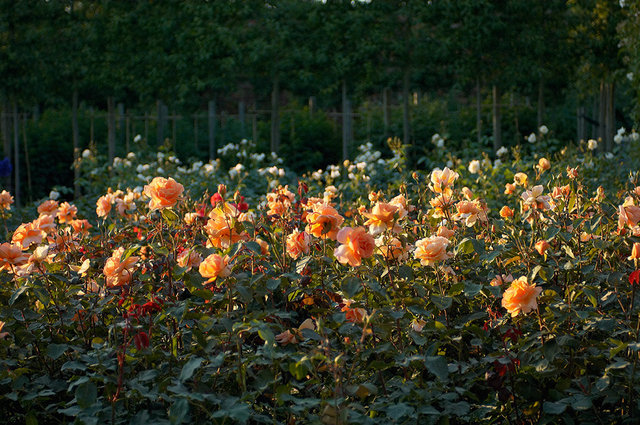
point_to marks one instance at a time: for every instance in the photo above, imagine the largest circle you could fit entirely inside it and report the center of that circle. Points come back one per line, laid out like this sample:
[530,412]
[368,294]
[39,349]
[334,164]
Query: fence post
[121,123]
[385,111]
[212,129]
[173,130]
[241,116]
[111,129]
[16,155]
[275,115]
[195,132]
[312,105]
[254,128]
[127,135]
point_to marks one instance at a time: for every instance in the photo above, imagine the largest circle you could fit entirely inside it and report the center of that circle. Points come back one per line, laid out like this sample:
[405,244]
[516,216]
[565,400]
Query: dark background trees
[307,75]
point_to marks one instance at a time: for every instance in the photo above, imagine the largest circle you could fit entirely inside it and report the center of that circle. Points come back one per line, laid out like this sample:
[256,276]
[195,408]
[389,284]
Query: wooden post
[121,124]
[91,124]
[16,156]
[385,111]
[174,118]
[26,156]
[127,135]
[478,113]
[275,115]
[111,129]
[312,105]
[346,116]
[254,127]
[76,146]
[540,102]
[146,127]
[405,108]
[212,129]
[195,133]
[497,120]
[611,119]
[241,117]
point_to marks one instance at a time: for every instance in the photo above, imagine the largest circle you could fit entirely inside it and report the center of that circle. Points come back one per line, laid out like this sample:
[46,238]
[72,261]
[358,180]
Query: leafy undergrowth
[501,293]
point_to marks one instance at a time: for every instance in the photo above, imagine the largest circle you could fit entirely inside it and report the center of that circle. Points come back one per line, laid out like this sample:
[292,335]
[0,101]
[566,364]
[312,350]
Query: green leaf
[399,410]
[471,289]
[170,216]
[56,350]
[553,408]
[16,294]
[178,411]
[438,366]
[254,246]
[267,335]
[442,302]
[464,247]
[351,286]
[86,394]
[190,367]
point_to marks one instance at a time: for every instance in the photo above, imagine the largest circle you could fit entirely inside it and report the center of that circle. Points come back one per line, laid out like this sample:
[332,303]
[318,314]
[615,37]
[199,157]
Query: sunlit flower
[354,315]
[543,129]
[392,248]
[506,212]
[628,213]
[103,206]
[27,234]
[215,266]
[501,279]
[532,138]
[298,243]
[164,193]
[635,251]
[67,212]
[189,259]
[356,244]
[509,189]
[474,166]
[383,216]
[445,232]
[431,250]
[442,180]
[49,207]
[535,199]
[592,144]
[323,221]
[11,255]
[118,272]
[521,179]
[221,228]
[541,246]
[417,325]
[520,297]
[5,200]
[470,212]
[543,165]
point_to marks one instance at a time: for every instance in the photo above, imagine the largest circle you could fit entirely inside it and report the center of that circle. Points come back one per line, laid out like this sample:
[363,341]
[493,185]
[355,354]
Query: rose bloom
[49,207]
[215,266]
[470,211]
[543,165]
[356,245]
[190,218]
[441,204]
[353,315]
[467,193]
[286,337]
[221,227]
[164,193]
[392,248]
[5,200]
[506,212]
[431,250]
[67,212]
[445,232]
[298,243]
[442,180]
[541,246]
[572,173]
[520,297]
[509,189]
[45,223]
[403,205]
[500,280]
[279,201]
[188,259]
[628,213]
[561,191]
[103,206]
[520,179]
[11,255]
[264,246]
[383,216]
[81,226]
[635,251]
[323,221]
[417,325]
[534,198]
[27,234]
[119,272]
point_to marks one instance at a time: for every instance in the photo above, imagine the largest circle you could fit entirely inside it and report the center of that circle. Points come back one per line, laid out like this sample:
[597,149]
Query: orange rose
[543,165]
[298,243]
[521,179]
[5,200]
[628,213]
[11,255]
[45,223]
[470,211]
[441,204]
[188,259]
[49,207]
[635,251]
[431,250]
[81,226]
[383,216]
[542,246]
[103,206]
[442,180]
[119,272]
[215,266]
[445,232]
[66,212]
[164,193]
[520,297]
[356,245]
[323,221]
[26,234]
[500,280]
[392,248]
[506,212]
[509,189]
[222,227]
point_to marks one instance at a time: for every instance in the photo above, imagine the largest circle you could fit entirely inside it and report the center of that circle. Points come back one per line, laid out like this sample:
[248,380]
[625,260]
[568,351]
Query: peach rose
[442,180]
[5,200]
[628,213]
[164,193]
[441,204]
[11,255]
[417,325]
[119,272]
[45,223]
[103,206]
[392,248]
[470,211]
[520,179]
[66,212]
[635,251]
[445,232]
[509,189]
[27,234]
[81,226]
[298,243]
[222,227]
[215,266]
[323,221]
[506,212]
[542,246]
[520,297]
[535,199]
[356,245]
[49,207]
[543,165]
[500,280]
[188,259]
[431,250]
[383,216]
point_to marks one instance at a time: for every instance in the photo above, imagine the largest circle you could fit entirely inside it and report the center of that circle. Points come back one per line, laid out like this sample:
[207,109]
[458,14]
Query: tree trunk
[163,111]
[16,156]
[478,113]
[76,144]
[212,129]
[275,115]
[26,156]
[610,123]
[111,129]
[497,120]
[602,115]
[241,117]
[580,124]
[406,130]
[540,102]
